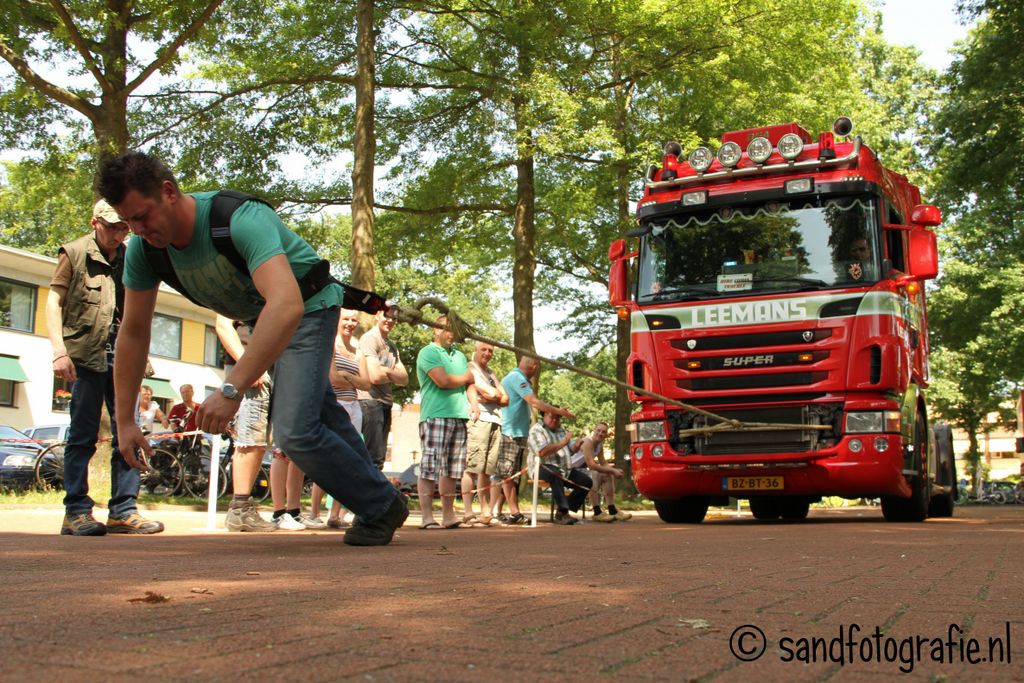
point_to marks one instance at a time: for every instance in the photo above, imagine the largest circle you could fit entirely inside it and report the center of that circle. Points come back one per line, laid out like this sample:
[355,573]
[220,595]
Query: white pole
[211,504]
[536,486]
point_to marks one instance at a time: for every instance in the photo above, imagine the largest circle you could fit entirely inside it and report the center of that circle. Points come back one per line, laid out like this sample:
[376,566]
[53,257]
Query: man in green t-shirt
[294,332]
[444,411]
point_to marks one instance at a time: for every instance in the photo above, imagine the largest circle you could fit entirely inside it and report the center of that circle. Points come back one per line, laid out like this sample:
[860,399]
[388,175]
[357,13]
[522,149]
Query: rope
[461,330]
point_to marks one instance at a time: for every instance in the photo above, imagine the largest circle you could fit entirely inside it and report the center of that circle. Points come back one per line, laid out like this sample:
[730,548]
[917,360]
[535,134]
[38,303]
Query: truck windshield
[784,246]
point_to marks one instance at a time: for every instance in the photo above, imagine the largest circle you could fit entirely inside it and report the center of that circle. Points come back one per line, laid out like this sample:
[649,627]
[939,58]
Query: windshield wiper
[689,291]
[806,282]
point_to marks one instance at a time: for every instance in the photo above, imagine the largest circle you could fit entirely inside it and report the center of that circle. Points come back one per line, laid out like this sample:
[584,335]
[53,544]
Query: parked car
[17,458]
[48,433]
[405,481]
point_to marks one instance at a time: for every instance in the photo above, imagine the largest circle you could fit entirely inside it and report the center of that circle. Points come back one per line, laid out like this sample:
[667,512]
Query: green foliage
[589,399]
[977,314]
[45,203]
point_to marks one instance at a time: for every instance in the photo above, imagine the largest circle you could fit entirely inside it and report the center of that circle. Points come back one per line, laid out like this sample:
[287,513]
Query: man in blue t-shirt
[293,332]
[515,427]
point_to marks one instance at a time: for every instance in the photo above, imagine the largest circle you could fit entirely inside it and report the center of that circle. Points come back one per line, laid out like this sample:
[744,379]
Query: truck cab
[778,316]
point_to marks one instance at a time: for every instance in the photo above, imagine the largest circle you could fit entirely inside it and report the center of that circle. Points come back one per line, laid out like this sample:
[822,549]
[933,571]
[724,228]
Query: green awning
[10,369]
[161,388]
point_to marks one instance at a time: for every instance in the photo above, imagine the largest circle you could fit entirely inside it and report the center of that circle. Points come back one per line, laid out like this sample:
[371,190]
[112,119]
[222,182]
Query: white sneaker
[288,523]
[310,522]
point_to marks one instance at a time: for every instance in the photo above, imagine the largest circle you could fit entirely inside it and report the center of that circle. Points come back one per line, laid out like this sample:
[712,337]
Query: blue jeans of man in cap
[88,394]
[312,429]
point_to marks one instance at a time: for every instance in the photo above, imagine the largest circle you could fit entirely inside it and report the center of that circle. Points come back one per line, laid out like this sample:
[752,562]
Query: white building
[184,347]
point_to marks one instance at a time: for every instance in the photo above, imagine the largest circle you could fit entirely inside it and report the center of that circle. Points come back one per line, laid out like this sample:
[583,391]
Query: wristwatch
[230,391]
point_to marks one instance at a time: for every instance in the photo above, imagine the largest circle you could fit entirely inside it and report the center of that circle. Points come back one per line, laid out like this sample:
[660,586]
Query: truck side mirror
[618,277]
[923,261]
[926,214]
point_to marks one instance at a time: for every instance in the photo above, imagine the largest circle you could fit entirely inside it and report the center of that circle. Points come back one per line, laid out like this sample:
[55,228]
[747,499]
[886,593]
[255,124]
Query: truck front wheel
[690,510]
[915,508]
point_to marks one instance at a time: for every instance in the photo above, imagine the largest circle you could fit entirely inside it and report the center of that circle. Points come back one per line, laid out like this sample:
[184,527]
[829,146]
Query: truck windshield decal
[804,244]
[790,309]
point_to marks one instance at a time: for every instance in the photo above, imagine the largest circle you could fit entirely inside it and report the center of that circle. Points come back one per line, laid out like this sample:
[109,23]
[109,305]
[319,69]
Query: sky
[932,26]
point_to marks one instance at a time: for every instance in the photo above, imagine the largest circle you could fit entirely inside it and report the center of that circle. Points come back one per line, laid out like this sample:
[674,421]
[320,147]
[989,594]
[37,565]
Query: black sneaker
[564,518]
[381,530]
[518,518]
[82,524]
[504,519]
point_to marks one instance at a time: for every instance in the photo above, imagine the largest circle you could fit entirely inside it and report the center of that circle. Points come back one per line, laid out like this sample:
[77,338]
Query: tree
[977,313]
[95,40]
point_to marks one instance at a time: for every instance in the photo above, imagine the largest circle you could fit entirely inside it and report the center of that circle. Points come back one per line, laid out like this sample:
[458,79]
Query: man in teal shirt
[515,427]
[294,331]
[444,411]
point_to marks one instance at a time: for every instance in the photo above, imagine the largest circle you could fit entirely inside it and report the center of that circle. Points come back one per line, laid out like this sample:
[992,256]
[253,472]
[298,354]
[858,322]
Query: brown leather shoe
[133,524]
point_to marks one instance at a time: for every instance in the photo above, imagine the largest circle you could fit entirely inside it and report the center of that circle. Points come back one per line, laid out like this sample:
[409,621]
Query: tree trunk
[524,264]
[364,275]
[623,406]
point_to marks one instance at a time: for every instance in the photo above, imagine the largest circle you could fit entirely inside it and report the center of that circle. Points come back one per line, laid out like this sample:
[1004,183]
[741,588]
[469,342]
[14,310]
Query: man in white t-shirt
[486,398]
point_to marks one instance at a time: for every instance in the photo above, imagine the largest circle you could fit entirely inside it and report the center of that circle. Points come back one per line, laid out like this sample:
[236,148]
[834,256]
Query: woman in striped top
[348,373]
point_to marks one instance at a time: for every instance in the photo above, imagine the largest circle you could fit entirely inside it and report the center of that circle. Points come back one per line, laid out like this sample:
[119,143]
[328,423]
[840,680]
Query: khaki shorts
[252,427]
[483,443]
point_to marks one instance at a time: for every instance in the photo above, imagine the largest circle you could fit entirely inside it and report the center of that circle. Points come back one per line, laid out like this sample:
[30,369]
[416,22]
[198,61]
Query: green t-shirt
[258,234]
[434,401]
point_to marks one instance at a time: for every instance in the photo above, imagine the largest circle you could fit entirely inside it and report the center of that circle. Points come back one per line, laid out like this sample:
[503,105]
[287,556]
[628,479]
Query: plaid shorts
[510,457]
[444,448]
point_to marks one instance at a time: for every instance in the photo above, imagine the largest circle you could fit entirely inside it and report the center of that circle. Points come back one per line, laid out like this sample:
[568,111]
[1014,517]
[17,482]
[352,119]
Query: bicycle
[49,467]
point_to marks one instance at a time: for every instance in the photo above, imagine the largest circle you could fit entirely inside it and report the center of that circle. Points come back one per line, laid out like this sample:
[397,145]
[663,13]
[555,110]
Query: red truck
[777,291]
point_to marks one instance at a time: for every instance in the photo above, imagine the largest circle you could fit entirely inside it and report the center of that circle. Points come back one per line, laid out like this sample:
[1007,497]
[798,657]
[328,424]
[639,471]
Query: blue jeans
[314,431]
[376,427]
[579,482]
[88,394]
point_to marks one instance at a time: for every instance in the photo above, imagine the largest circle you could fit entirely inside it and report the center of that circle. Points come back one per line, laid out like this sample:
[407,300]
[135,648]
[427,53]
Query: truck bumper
[839,471]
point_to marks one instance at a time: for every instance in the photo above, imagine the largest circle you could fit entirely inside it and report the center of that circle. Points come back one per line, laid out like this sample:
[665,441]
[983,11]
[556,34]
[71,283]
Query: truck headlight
[790,146]
[759,150]
[648,431]
[700,159]
[875,421]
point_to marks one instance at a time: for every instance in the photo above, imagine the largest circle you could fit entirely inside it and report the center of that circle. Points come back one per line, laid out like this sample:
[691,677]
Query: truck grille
[767,442]
[779,379]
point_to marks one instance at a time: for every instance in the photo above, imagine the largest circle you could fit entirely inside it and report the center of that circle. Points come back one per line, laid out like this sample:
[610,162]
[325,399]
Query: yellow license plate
[752,483]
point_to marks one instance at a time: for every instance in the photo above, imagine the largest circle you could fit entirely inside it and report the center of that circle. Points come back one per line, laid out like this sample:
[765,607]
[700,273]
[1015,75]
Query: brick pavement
[639,600]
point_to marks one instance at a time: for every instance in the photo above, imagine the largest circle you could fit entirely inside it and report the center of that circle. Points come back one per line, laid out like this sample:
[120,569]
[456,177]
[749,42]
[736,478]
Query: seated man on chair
[591,449]
[549,442]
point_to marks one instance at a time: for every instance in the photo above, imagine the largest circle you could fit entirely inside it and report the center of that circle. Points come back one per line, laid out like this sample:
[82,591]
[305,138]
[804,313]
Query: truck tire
[914,508]
[794,508]
[765,509]
[690,510]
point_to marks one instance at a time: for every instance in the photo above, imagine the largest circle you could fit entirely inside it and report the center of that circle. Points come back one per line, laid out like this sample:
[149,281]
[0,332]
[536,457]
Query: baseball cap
[105,211]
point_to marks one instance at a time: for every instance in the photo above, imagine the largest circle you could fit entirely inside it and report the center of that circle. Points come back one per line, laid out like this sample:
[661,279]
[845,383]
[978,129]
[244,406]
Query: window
[61,402]
[213,352]
[17,306]
[166,339]
[6,393]
[894,239]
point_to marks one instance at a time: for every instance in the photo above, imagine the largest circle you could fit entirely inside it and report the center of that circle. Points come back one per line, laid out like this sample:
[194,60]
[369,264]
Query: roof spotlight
[842,126]
[673,148]
[729,154]
[790,146]
[700,159]
[759,150]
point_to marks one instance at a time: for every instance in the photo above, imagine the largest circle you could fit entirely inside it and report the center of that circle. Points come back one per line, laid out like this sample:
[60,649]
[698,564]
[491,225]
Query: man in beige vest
[83,312]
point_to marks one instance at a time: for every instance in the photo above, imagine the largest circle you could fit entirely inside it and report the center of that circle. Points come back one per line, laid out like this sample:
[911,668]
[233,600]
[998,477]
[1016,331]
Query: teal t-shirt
[258,234]
[515,418]
[435,401]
